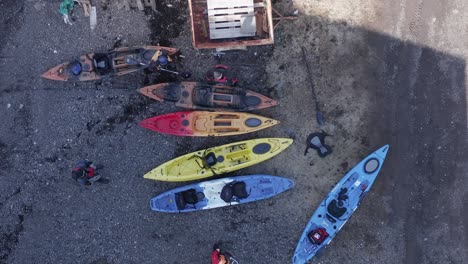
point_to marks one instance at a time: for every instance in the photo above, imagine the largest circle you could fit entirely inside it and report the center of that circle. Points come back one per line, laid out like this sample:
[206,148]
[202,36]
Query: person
[66,7]
[161,61]
[218,75]
[86,174]
[217,257]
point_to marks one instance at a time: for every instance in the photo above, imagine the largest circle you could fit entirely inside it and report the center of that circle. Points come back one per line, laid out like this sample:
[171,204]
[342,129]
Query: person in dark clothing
[86,174]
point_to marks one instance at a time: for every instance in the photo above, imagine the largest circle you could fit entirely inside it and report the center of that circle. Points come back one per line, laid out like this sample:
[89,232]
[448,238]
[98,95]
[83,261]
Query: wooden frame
[233,38]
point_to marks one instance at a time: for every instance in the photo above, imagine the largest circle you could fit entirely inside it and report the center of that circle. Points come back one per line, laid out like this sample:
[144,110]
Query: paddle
[318,114]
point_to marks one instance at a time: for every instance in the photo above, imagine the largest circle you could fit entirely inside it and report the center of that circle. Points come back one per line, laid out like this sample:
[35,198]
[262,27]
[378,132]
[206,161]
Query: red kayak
[204,123]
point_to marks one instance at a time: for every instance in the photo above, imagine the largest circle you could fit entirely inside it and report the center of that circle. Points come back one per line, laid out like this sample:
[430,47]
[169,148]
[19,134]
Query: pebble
[38,6]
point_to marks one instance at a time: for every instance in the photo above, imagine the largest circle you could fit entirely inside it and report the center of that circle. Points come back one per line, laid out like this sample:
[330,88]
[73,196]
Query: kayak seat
[180,202]
[210,159]
[101,63]
[226,193]
[342,194]
[234,191]
[201,96]
[335,209]
[239,190]
[170,92]
[190,196]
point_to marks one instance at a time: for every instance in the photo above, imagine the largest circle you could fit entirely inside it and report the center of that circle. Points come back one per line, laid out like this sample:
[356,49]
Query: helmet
[217,75]
[162,60]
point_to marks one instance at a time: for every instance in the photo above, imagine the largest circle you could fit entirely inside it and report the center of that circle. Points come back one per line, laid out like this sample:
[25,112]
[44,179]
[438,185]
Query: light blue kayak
[220,192]
[338,206]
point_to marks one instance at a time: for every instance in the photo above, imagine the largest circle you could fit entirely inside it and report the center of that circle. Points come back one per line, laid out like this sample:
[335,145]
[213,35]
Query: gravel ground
[384,73]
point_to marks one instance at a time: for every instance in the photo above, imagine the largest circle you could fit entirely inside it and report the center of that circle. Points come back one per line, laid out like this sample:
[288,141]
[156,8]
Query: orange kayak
[203,123]
[196,95]
[95,66]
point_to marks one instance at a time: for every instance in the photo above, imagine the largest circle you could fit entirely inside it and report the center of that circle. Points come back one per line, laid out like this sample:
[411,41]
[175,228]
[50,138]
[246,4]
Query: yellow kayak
[218,160]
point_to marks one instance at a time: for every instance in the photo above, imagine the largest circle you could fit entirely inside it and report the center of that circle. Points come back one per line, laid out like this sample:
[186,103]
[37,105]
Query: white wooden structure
[231,18]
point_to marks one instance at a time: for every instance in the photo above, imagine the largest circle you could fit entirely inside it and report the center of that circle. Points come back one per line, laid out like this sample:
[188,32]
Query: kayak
[218,160]
[204,124]
[194,95]
[95,66]
[338,206]
[219,193]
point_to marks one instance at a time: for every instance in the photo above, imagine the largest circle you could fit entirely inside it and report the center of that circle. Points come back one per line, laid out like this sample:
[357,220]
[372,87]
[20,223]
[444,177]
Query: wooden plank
[140,5]
[227,18]
[228,3]
[230,11]
[225,24]
[261,4]
[229,33]
[151,3]
[248,24]
[93,18]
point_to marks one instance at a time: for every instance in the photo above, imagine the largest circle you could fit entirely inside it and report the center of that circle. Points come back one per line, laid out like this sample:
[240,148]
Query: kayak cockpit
[337,207]
[234,191]
[188,197]
[102,63]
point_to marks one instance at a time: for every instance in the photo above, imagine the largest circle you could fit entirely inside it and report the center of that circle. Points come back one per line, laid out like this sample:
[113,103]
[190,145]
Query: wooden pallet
[140,4]
[231,18]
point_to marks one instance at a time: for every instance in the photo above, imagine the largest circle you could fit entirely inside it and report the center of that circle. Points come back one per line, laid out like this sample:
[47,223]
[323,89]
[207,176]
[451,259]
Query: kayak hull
[259,187]
[113,63]
[218,160]
[338,206]
[204,123]
[193,95]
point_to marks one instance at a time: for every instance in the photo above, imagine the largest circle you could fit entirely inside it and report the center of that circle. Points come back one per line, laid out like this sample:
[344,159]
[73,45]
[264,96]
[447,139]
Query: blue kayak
[219,193]
[338,206]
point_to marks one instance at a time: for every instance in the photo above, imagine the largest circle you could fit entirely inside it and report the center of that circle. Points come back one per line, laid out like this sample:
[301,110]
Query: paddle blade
[320,118]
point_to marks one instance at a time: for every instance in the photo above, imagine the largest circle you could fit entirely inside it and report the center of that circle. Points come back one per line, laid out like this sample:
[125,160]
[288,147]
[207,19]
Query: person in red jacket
[217,257]
[218,75]
[85,173]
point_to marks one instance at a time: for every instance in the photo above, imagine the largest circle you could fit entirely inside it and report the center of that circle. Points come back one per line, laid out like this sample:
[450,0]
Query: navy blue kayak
[338,206]
[220,192]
